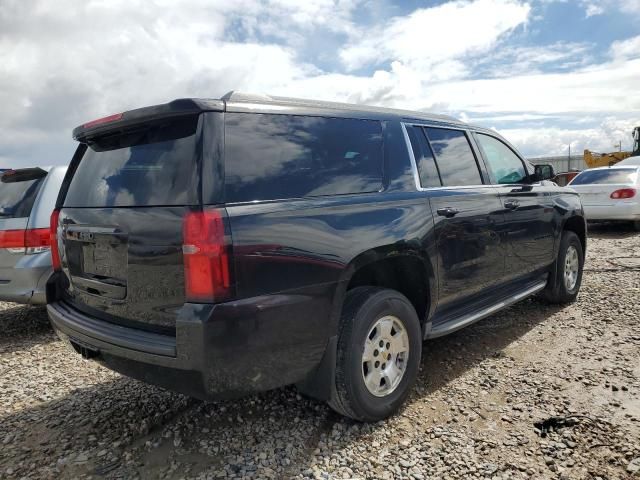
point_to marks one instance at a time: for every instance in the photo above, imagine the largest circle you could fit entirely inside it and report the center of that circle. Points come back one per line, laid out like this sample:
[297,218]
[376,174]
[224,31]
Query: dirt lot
[532,392]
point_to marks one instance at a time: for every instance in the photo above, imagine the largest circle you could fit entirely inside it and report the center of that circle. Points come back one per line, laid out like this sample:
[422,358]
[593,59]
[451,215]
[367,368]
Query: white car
[610,193]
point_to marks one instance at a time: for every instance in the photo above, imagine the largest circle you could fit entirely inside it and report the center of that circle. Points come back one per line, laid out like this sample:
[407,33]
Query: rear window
[16,199]
[425,163]
[271,157]
[154,165]
[613,176]
[455,159]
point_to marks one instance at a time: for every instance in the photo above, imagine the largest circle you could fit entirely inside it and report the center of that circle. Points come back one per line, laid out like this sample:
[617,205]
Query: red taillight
[206,257]
[624,193]
[37,238]
[53,240]
[33,240]
[12,239]
[111,118]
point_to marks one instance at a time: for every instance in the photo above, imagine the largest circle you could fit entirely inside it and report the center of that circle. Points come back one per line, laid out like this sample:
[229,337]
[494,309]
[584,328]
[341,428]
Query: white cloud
[607,87]
[626,49]
[508,61]
[600,7]
[64,63]
[429,36]
[604,137]
[592,9]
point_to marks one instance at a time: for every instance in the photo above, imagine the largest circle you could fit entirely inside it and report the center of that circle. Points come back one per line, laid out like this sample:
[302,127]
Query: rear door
[122,220]
[528,207]
[466,211]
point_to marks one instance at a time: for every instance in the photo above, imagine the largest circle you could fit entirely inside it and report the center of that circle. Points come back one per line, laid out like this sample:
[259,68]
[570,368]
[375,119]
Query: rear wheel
[563,287]
[379,351]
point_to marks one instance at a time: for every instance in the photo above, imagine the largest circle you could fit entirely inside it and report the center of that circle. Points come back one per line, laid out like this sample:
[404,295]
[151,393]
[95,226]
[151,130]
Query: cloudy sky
[545,73]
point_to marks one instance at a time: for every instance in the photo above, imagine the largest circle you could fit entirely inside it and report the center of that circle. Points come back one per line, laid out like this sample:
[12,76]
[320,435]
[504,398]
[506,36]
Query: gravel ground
[532,392]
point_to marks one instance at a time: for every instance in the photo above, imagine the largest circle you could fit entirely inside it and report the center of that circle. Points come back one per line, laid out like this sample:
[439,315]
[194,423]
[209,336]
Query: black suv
[223,247]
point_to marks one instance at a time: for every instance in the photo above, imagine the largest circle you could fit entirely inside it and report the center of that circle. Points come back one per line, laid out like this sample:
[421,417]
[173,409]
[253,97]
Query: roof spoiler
[176,108]
[22,175]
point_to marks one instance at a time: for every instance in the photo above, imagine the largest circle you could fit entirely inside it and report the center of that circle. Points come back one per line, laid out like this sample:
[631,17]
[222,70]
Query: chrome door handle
[448,212]
[511,204]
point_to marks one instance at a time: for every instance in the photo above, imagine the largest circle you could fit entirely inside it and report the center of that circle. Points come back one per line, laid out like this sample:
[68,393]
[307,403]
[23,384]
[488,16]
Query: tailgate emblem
[85,236]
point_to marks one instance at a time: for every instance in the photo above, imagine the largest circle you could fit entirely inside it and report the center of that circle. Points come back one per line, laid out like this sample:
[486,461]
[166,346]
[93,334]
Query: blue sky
[545,73]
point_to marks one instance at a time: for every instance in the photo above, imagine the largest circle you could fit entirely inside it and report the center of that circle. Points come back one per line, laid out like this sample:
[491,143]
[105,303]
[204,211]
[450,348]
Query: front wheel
[379,352]
[564,285]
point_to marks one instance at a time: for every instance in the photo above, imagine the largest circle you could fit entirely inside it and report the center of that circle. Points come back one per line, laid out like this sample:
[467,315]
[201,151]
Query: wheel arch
[320,384]
[577,224]
[406,270]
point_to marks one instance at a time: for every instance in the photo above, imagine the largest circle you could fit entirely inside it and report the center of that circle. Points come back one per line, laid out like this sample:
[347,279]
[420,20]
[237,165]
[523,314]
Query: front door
[528,209]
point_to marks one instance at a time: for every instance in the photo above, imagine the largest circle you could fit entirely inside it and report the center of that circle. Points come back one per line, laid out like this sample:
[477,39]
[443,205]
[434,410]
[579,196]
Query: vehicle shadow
[23,325]
[127,428]
[488,338]
[616,230]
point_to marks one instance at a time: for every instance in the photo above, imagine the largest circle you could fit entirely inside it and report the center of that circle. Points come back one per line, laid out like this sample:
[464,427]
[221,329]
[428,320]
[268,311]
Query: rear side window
[154,165]
[626,176]
[455,159]
[271,157]
[425,162]
[16,199]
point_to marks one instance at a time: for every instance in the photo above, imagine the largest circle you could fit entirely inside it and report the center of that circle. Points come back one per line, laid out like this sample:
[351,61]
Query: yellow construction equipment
[594,159]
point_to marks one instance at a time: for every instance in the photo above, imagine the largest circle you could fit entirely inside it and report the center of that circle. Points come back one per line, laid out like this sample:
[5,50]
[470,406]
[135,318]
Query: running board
[453,325]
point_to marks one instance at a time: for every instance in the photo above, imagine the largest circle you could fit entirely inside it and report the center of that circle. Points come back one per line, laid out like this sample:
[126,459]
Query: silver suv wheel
[385,355]
[571,268]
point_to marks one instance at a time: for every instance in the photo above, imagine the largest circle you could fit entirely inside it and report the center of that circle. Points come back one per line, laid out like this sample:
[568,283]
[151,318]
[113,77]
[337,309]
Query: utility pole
[569,160]
[620,146]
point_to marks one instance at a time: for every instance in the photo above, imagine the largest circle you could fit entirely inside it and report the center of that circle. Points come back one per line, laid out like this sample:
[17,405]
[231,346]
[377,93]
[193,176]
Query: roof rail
[235,96]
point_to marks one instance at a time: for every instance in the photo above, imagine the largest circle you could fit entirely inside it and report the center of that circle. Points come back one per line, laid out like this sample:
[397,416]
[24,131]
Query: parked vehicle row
[224,247]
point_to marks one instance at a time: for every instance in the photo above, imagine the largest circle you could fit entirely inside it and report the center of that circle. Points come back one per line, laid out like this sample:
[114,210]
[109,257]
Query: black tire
[636,225]
[363,307]
[556,291]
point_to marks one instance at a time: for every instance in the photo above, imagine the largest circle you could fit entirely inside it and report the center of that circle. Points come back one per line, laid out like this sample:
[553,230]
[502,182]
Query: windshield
[154,165]
[623,176]
[17,198]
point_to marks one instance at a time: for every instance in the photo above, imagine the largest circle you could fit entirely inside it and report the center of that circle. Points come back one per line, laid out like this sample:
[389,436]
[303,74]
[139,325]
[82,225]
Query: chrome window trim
[414,164]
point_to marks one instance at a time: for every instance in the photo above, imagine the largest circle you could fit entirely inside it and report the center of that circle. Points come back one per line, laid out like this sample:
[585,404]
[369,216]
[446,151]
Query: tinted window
[504,165]
[150,166]
[611,176]
[16,199]
[454,157]
[284,156]
[427,170]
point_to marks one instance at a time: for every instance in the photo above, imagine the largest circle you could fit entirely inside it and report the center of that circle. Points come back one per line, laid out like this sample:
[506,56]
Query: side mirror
[544,172]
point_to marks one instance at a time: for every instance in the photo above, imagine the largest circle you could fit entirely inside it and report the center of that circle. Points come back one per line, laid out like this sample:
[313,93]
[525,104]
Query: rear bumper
[219,351]
[617,211]
[26,281]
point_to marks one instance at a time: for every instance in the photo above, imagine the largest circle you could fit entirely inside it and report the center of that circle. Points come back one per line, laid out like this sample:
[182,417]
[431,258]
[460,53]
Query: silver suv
[27,198]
